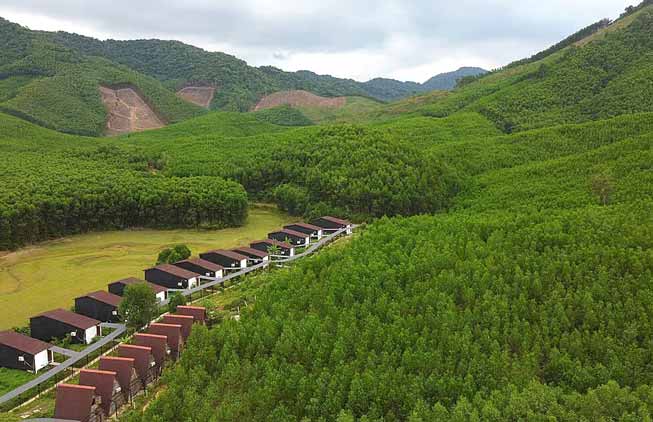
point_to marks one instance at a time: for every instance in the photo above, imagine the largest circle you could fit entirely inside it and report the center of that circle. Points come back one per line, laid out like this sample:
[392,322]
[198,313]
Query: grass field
[12,378]
[52,274]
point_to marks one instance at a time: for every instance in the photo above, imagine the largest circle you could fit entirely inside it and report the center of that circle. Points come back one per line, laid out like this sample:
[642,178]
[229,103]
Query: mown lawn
[52,274]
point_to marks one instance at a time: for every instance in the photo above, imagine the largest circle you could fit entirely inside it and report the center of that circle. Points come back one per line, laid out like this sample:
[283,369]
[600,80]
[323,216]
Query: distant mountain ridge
[240,85]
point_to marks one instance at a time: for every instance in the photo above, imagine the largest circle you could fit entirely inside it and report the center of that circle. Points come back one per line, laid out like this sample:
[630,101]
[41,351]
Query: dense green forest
[55,185]
[504,271]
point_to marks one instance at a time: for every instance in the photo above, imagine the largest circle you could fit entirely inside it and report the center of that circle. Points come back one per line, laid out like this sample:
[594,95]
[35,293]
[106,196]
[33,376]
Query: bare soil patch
[128,111]
[198,95]
[299,99]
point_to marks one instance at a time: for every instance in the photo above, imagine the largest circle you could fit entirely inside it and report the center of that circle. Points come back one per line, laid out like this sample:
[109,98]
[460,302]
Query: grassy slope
[54,273]
[12,378]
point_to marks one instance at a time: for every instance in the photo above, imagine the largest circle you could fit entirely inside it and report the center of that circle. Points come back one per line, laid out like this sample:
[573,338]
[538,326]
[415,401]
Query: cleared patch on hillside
[128,112]
[299,99]
[198,95]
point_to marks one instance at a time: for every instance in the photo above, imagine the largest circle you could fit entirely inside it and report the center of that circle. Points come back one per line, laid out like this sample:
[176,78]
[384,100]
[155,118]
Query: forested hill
[57,87]
[239,85]
[606,73]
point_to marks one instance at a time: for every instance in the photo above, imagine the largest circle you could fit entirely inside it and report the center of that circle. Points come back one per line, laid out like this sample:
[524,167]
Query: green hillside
[57,88]
[609,76]
[503,271]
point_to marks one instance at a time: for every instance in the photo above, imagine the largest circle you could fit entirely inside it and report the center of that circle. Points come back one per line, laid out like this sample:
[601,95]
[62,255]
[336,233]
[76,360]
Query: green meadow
[52,274]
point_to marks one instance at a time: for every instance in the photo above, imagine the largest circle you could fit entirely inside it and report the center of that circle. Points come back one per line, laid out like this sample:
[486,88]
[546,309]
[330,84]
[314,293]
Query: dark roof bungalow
[106,386]
[77,403]
[201,266]
[60,323]
[100,305]
[144,363]
[309,229]
[291,236]
[185,321]
[118,287]
[172,277]
[285,249]
[228,259]
[125,374]
[329,223]
[18,351]
[254,256]
[172,333]
[197,312]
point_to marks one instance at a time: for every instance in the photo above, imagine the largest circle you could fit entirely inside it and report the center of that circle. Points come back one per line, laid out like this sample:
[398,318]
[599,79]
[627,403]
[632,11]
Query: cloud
[406,39]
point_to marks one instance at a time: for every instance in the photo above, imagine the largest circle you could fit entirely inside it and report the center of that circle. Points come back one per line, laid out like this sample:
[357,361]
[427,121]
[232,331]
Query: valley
[51,275]
[502,263]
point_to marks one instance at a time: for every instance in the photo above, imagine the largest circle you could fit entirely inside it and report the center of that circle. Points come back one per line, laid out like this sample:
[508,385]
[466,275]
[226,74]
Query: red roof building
[106,386]
[197,312]
[77,403]
[185,321]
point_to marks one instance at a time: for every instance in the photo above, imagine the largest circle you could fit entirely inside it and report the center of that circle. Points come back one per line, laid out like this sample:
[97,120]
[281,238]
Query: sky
[359,39]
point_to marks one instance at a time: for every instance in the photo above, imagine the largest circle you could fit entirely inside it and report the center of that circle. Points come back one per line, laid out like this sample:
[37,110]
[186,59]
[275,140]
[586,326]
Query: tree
[138,306]
[175,254]
[177,299]
[602,186]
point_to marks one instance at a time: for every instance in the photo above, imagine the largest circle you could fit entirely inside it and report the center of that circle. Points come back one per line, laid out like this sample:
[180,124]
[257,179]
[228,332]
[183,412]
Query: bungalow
[228,259]
[118,288]
[285,249]
[197,312]
[77,403]
[106,386]
[172,333]
[201,266]
[309,229]
[172,277]
[254,256]
[185,321]
[125,374]
[60,323]
[332,224]
[159,346]
[18,351]
[100,305]
[291,236]
[143,361]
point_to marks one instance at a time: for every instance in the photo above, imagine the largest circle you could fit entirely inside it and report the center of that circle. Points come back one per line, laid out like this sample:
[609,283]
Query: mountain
[57,87]
[239,85]
[447,81]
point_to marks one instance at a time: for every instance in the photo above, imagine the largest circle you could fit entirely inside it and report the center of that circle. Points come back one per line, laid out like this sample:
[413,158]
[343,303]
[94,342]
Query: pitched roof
[336,220]
[228,254]
[304,225]
[105,297]
[171,269]
[203,263]
[75,320]
[251,251]
[22,342]
[275,243]
[291,233]
[134,280]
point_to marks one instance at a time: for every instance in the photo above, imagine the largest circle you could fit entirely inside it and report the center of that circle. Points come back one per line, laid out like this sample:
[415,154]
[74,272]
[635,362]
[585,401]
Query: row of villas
[34,353]
[100,391]
[118,379]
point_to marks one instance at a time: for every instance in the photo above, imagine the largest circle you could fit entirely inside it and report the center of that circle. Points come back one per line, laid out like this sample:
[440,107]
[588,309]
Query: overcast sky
[360,39]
